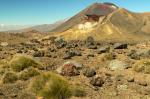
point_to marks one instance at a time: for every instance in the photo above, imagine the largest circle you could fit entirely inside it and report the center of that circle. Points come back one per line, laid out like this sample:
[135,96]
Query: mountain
[44,28]
[106,22]
[13,27]
[96,8]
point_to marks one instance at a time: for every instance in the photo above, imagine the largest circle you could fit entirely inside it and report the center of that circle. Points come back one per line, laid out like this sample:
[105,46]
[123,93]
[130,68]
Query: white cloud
[2,25]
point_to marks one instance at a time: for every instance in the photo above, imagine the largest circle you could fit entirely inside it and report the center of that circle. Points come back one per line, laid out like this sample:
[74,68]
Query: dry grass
[9,77]
[20,62]
[51,86]
[28,73]
[142,66]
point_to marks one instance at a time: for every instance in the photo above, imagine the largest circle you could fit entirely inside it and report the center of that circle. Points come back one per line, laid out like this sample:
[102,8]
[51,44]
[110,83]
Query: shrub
[51,86]
[10,77]
[28,73]
[142,66]
[20,62]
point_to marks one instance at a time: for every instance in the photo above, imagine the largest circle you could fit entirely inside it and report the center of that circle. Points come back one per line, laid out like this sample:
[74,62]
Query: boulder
[90,43]
[89,72]
[117,65]
[70,68]
[133,55]
[71,53]
[60,42]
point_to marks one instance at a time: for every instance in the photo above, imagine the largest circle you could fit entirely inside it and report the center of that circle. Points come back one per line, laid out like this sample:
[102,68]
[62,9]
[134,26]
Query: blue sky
[23,12]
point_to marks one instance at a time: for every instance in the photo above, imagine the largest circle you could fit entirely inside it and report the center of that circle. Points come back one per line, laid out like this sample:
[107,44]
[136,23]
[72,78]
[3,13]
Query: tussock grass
[142,66]
[9,77]
[28,73]
[51,86]
[20,62]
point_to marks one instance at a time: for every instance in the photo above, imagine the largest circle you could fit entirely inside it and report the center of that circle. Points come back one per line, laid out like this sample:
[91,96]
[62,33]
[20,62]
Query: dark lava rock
[60,42]
[97,81]
[89,72]
[90,40]
[90,43]
[120,46]
[103,49]
[133,55]
[39,54]
[67,56]
[71,54]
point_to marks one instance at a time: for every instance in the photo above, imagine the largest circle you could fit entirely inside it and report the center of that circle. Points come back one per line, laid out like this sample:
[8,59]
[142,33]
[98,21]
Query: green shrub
[9,77]
[20,62]
[28,73]
[142,66]
[51,86]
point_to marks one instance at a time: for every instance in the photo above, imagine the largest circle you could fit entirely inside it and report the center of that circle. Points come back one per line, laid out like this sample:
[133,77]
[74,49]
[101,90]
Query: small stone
[38,54]
[103,49]
[71,53]
[120,46]
[89,72]
[97,81]
[67,56]
[117,65]
[130,79]
[142,83]
[3,44]
[60,42]
[133,55]
[122,87]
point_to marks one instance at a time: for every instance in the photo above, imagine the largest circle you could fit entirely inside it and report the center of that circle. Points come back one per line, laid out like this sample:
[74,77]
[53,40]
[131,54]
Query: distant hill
[44,28]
